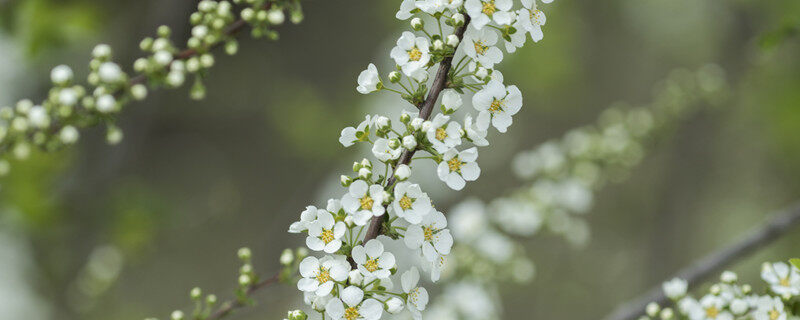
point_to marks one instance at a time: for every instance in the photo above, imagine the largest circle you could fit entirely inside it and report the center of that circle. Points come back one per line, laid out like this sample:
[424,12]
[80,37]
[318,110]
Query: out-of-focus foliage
[46,25]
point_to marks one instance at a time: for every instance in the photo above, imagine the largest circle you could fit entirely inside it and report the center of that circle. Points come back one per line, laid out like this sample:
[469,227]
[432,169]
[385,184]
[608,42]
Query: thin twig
[425,112]
[702,269]
[231,306]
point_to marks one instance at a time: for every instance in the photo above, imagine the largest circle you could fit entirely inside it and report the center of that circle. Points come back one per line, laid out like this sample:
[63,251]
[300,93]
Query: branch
[228,307]
[702,269]
[425,113]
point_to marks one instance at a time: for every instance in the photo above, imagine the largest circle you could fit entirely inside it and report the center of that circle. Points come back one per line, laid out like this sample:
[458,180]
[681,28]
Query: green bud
[346,180]
[146,44]
[244,254]
[164,31]
[195,293]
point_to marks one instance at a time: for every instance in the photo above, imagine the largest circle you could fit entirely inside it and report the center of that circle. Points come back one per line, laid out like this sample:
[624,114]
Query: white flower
[372,260]
[68,134]
[350,135]
[497,103]
[458,167]
[430,235]
[319,274]
[384,152]
[436,268]
[409,142]
[710,308]
[417,296]
[405,9]
[109,72]
[411,53]
[769,308]
[531,20]
[475,134]
[308,216]
[479,45]
[38,117]
[363,201]
[61,74]
[410,202]
[517,38]
[443,134]
[484,11]
[394,305]
[67,97]
[368,80]
[784,280]
[675,288]
[402,172]
[352,306]
[324,233]
[106,103]
[451,100]
[436,6]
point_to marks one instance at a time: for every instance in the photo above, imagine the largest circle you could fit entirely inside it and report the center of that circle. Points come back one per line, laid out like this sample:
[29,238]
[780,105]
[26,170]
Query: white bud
[438,44]
[366,163]
[728,277]
[176,315]
[244,280]
[139,91]
[109,72]
[101,51]
[19,124]
[382,122]
[68,135]
[715,289]
[24,105]
[276,17]
[67,97]
[426,125]
[402,172]
[38,117]
[106,103]
[207,60]
[355,277]
[452,40]
[667,314]
[416,123]
[394,77]
[482,73]
[739,306]
[394,305]
[175,78]
[114,135]
[652,309]
[394,143]
[416,23]
[61,74]
[200,31]
[244,253]
[287,257]
[162,57]
[458,19]
[160,44]
[345,180]
[364,173]
[195,293]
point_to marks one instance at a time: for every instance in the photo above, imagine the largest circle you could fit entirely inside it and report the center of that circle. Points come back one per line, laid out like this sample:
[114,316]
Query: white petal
[352,296]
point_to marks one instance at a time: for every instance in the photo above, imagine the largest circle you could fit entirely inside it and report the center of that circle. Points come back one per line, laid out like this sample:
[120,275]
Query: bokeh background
[123,232]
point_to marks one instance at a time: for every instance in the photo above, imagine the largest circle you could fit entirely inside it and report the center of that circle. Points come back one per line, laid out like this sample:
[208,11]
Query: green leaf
[795,262]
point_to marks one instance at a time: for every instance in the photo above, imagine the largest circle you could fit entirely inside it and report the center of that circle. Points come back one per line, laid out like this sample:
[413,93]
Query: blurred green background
[100,232]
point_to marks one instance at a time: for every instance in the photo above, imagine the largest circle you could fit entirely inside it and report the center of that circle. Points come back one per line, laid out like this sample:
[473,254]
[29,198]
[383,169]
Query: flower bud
[382,122]
[68,134]
[287,257]
[106,103]
[729,277]
[652,309]
[302,252]
[426,125]
[211,299]
[276,17]
[366,163]
[394,305]
[364,173]
[195,293]
[394,77]
[452,40]
[176,315]
[101,51]
[417,24]
[402,172]
[297,315]
[113,135]
[482,73]
[244,280]
[139,91]
[405,117]
[458,19]
[738,306]
[61,74]
[355,277]
[438,44]
[394,143]
[244,254]
[409,142]
[667,314]
[109,72]
[345,180]
[162,57]
[416,123]
[356,166]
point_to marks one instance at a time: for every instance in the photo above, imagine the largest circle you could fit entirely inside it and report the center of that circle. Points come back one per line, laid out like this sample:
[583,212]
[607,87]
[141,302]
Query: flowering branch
[702,269]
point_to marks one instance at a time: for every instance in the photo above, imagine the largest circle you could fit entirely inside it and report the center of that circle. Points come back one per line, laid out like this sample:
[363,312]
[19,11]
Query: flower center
[441,134]
[371,265]
[496,106]
[323,276]
[536,16]
[414,54]
[455,164]
[785,282]
[480,48]
[774,314]
[406,202]
[712,312]
[327,235]
[489,8]
[413,296]
[428,233]
[351,313]
[366,203]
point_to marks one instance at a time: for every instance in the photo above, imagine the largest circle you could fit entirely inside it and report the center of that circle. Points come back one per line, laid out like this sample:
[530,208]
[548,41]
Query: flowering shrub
[381,204]
[729,299]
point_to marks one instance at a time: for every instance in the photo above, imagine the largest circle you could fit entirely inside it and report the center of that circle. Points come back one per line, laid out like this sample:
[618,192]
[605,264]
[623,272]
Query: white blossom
[372,260]
[350,135]
[431,236]
[417,296]
[319,274]
[484,11]
[784,279]
[475,134]
[411,53]
[675,288]
[306,218]
[325,233]
[61,74]
[383,151]
[351,305]
[496,104]
[369,80]
[770,308]
[410,203]
[363,201]
[443,134]
[480,46]
[451,100]
[458,167]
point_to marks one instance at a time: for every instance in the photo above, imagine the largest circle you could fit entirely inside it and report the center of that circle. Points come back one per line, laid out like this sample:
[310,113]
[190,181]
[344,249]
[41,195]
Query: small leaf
[795,262]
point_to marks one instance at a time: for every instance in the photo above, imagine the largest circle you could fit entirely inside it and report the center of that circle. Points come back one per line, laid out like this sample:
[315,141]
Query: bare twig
[425,112]
[781,223]
[228,307]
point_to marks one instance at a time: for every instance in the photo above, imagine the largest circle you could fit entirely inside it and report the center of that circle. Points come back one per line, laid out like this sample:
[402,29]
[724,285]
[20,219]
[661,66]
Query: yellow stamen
[441,134]
[489,8]
[774,314]
[455,164]
[414,54]
[323,276]
[366,203]
[480,48]
[428,233]
[371,265]
[351,313]
[712,312]
[405,202]
[496,106]
[327,235]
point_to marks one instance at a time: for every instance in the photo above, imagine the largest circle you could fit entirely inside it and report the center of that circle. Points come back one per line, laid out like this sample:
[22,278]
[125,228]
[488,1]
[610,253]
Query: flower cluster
[55,122]
[564,175]
[729,299]
[381,208]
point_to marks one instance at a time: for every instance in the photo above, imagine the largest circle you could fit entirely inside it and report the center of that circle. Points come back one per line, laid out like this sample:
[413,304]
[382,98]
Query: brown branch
[425,113]
[231,306]
[702,269]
